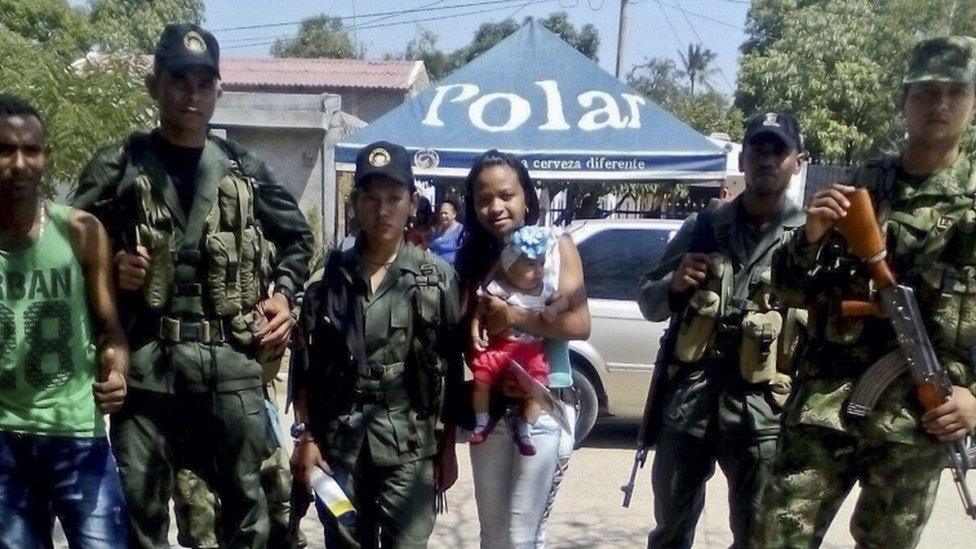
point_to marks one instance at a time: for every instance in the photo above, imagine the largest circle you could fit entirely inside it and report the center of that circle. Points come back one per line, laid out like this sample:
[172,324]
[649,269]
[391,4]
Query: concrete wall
[295,135]
[370,104]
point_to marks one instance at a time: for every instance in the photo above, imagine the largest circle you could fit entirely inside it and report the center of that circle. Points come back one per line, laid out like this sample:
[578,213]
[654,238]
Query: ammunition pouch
[758,348]
[425,380]
[222,272]
[697,326]
[158,286]
[243,331]
[794,330]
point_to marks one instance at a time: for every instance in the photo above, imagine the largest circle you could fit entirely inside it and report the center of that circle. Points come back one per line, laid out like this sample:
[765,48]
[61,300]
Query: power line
[674,32]
[265,42]
[370,15]
[518,9]
[700,41]
[686,13]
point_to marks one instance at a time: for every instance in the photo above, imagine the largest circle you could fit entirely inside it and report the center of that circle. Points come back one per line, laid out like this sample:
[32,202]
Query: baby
[519,280]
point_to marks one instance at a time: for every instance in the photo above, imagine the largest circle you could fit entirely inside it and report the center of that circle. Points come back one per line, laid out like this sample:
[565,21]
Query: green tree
[660,81]
[52,24]
[87,101]
[838,65]
[424,48]
[319,36]
[697,63]
[656,79]
[586,39]
[135,25]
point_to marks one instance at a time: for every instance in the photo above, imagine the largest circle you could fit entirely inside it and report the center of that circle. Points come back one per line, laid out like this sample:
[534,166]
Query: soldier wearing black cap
[378,353]
[723,373]
[202,233]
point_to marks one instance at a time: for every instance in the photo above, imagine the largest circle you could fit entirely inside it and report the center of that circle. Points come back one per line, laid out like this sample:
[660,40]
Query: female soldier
[514,493]
[371,369]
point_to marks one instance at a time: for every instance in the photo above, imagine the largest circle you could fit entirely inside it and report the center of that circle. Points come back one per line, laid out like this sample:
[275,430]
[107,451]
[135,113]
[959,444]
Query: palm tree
[698,65]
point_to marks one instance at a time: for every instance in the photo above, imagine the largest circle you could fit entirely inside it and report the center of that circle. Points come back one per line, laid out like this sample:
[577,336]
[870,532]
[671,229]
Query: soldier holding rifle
[855,416]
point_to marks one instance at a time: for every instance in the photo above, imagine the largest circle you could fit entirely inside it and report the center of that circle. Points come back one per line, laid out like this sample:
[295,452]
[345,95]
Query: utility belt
[178,330]
[381,384]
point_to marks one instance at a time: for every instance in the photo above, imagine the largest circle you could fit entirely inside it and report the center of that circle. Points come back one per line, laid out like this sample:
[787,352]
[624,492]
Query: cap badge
[772,119]
[194,42]
[379,157]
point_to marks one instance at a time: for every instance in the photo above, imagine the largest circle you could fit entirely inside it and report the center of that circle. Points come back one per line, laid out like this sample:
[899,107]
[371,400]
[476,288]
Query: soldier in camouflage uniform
[725,357]
[201,230]
[926,200]
[378,352]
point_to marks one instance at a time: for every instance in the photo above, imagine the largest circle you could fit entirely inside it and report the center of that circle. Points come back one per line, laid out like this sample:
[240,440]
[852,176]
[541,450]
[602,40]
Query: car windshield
[614,260]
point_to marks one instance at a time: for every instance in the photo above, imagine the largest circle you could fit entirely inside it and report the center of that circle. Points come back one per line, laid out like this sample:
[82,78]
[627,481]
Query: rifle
[651,419]
[933,387]
[704,241]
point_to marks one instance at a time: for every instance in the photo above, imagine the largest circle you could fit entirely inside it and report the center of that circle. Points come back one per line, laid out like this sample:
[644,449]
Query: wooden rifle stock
[863,235]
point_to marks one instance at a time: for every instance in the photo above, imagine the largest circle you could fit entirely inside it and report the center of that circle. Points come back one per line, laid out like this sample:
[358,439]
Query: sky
[657,28]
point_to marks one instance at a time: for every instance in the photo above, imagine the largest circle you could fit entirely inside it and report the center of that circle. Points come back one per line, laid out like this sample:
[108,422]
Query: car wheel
[589,404]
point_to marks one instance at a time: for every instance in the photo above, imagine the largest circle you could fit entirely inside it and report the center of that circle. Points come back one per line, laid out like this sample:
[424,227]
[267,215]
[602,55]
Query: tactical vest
[933,249]
[338,375]
[756,332]
[217,270]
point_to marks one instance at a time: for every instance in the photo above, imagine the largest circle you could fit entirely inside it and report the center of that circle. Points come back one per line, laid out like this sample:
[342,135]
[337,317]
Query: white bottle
[330,494]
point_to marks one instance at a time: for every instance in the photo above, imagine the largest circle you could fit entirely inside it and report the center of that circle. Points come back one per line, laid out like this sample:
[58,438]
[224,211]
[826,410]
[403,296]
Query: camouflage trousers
[197,508]
[816,469]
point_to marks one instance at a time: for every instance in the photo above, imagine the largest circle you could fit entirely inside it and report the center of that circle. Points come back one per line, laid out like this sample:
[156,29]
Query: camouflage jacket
[930,228]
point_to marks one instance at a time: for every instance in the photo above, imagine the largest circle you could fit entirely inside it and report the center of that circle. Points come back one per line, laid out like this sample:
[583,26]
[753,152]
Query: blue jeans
[75,479]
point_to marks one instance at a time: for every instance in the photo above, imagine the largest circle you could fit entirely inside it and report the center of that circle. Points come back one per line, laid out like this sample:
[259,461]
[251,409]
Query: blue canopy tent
[536,96]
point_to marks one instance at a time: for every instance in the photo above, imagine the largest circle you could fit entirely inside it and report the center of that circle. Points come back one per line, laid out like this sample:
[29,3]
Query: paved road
[588,513]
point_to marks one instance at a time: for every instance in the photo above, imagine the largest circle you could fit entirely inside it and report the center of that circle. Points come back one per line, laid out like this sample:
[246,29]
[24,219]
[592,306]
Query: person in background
[447,233]
[421,227]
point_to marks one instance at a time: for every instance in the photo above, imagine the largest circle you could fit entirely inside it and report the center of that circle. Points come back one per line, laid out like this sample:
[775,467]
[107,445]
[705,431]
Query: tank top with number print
[47,355]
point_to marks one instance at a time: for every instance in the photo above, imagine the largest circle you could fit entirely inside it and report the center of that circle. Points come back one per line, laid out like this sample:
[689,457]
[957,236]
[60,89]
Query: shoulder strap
[704,241]
[135,150]
[427,298]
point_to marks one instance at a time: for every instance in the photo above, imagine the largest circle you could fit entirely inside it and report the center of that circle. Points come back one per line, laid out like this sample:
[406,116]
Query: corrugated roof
[288,73]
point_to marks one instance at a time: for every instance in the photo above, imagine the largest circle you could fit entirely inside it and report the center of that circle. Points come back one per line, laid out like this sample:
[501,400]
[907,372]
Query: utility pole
[622,36]
[952,16]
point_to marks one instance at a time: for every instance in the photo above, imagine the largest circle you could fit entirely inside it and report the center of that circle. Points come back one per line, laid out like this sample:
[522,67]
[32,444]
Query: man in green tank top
[63,355]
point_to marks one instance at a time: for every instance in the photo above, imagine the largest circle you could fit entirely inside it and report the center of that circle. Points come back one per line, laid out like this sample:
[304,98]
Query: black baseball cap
[780,123]
[385,159]
[185,45]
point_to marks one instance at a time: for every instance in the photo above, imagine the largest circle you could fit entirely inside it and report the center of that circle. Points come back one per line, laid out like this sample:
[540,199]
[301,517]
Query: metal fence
[821,175]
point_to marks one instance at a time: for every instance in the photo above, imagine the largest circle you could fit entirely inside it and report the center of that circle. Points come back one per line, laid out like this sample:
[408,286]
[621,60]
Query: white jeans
[515,493]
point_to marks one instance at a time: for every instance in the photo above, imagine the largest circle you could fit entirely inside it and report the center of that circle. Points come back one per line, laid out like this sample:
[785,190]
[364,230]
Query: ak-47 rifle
[861,230]
[650,426]
[651,420]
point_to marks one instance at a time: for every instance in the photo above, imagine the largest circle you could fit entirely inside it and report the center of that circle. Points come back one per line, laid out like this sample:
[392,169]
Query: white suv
[612,370]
